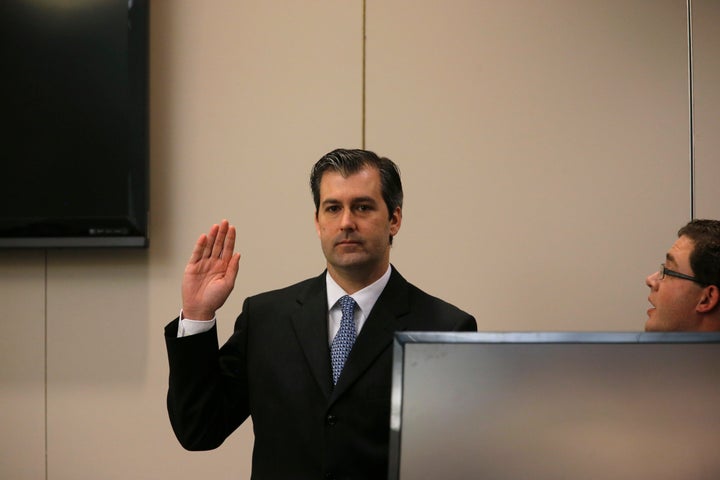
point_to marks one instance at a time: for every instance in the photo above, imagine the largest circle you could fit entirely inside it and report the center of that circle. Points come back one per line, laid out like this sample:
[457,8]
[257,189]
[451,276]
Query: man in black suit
[316,413]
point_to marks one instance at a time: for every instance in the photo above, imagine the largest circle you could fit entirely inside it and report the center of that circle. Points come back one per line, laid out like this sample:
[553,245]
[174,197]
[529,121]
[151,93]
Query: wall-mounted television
[75,139]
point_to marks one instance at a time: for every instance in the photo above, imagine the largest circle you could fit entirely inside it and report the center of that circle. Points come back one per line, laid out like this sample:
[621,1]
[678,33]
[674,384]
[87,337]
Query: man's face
[674,300]
[353,223]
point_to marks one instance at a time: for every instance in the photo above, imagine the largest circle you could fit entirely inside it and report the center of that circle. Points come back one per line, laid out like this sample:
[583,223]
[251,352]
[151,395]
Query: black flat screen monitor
[75,136]
[549,406]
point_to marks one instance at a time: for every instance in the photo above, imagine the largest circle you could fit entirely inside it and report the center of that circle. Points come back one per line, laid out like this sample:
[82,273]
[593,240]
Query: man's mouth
[348,241]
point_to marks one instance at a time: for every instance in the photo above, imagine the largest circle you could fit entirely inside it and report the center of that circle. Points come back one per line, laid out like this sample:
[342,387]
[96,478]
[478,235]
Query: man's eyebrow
[354,200]
[363,200]
[670,259]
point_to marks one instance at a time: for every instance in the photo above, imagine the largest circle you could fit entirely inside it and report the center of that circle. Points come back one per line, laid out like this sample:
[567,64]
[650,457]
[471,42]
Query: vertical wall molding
[364,64]
[691,108]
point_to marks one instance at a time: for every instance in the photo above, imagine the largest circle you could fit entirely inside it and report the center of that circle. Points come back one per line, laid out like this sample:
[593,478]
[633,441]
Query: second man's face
[673,300]
[353,223]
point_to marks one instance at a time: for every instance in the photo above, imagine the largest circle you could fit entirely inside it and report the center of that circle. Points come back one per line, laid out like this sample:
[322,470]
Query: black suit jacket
[276,368]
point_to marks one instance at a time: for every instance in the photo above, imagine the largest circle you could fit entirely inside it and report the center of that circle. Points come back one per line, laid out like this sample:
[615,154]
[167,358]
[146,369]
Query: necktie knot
[347,306]
[345,337]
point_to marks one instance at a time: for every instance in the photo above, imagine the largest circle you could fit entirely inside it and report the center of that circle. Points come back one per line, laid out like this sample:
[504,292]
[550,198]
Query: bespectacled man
[684,293]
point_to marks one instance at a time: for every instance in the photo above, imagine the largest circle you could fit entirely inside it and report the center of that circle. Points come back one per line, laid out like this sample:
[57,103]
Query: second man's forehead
[680,251]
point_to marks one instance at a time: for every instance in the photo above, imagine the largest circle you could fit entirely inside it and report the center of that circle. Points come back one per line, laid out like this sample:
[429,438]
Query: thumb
[233,267]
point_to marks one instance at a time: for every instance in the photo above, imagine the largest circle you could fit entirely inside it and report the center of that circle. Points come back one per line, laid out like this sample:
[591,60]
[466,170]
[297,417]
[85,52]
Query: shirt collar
[364,298]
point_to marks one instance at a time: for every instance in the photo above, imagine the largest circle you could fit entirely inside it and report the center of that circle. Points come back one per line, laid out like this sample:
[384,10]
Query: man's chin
[652,326]
[649,321]
[350,260]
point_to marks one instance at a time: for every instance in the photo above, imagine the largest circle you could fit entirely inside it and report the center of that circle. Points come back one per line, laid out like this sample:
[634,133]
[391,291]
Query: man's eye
[332,209]
[364,208]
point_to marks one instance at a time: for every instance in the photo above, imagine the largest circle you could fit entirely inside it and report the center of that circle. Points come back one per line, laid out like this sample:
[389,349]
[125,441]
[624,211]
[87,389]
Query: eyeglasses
[664,271]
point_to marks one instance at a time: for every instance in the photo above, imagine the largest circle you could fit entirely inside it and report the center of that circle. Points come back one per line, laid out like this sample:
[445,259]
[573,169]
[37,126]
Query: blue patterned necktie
[344,339]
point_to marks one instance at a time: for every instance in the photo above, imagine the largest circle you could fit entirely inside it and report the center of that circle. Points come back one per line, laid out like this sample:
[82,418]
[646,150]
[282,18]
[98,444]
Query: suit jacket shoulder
[415,309]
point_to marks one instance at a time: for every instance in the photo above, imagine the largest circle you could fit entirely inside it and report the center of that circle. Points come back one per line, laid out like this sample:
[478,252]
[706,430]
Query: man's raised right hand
[210,273]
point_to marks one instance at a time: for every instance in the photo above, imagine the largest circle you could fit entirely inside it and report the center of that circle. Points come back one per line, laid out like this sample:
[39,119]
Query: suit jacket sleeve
[207,392]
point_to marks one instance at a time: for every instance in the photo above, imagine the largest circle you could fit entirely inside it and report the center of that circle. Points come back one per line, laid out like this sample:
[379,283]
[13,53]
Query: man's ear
[709,300]
[395,221]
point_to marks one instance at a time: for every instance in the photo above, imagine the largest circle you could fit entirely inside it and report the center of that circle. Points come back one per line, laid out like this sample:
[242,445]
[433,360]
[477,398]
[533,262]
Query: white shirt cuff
[187,327]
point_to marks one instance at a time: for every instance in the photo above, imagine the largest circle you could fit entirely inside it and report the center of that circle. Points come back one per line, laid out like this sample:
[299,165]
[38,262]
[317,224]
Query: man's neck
[709,323]
[354,279]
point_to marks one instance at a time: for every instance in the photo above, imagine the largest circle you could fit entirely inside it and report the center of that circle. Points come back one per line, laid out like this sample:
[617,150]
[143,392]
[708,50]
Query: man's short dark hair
[705,257]
[347,162]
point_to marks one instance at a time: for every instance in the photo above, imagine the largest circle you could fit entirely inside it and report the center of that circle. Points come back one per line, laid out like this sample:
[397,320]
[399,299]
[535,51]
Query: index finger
[221,240]
[229,244]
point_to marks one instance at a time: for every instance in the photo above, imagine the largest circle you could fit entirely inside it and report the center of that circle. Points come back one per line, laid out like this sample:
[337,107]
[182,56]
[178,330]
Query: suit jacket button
[331,420]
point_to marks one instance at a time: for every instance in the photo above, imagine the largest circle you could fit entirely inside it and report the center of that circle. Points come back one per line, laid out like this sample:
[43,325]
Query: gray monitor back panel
[552,406]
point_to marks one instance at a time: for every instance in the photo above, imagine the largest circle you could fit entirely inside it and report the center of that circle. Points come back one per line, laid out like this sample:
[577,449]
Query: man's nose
[347,221]
[652,280]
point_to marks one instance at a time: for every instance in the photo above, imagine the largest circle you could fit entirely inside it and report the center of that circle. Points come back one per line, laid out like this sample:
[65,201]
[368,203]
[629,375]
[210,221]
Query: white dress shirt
[365,300]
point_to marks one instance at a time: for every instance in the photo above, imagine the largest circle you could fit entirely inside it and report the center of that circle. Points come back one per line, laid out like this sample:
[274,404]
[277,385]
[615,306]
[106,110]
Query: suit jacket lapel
[311,326]
[386,317]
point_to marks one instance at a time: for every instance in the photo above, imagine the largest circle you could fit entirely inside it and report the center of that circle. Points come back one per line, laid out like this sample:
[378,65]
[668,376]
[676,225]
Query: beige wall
[545,153]
[706,45]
